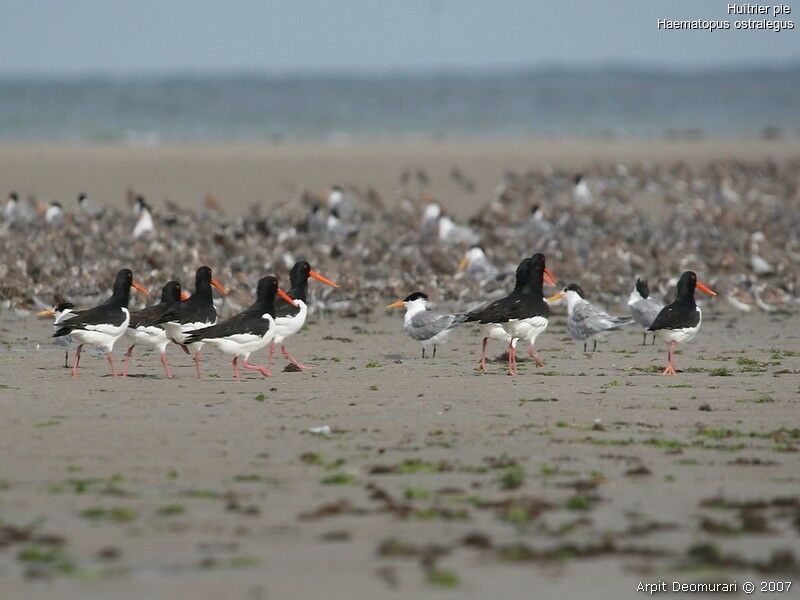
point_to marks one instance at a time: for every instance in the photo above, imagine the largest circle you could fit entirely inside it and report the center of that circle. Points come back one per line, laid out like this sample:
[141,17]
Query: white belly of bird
[437,339]
[527,329]
[601,336]
[147,336]
[687,334]
[243,344]
[286,326]
[495,331]
[176,332]
[102,336]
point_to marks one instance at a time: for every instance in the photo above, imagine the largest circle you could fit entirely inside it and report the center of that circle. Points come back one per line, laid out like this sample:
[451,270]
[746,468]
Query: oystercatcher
[644,308]
[61,311]
[143,327]
[585,321]
[290,319]
[427,327]
[193,313]
[523,314]
[104,324]
[679,321]
[248,331]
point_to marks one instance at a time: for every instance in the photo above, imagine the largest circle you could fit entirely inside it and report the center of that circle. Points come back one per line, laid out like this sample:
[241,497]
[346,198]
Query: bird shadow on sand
[132,376]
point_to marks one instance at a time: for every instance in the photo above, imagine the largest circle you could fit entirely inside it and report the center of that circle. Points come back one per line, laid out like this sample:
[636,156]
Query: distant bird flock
[607,229]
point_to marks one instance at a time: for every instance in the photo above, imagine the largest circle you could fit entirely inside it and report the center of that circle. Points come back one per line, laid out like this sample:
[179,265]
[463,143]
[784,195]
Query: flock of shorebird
[191,321]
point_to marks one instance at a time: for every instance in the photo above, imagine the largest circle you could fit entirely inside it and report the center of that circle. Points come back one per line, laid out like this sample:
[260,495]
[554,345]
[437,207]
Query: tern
[643,307]
[429,328]
[585,321]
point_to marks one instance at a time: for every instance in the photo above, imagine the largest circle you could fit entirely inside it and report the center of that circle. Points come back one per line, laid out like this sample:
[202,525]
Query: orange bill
[48,312]
[398,304]
[184,295]
[322,278]
[218,285]
[285,296]
[549,278]
[556,297]
[705,289]
[139,288]
[463,264]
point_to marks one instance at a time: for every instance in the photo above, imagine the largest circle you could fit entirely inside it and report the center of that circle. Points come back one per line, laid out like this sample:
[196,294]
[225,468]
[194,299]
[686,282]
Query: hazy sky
[76,36]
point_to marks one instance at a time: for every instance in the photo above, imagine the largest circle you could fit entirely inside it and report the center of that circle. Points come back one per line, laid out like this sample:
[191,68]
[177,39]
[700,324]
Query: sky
[75,37]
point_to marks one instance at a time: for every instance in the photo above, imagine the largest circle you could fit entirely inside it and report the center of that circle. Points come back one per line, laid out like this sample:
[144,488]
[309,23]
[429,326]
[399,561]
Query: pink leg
[670,370]
[265,371]
[235,364]
[77,360]
[110,358]
[512,359]
[293,360]
[270,354]
[127,360]
[535,356]
[197,364]
[482,364]
[165,364]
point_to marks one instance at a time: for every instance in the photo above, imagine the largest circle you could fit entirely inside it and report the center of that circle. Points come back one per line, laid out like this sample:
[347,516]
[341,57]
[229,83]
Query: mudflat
[581,478]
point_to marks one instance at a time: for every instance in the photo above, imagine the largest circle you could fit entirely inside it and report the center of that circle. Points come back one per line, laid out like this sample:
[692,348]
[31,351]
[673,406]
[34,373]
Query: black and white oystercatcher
[196,312]
[679,321]
[248,331]
[143,327]
[522,315]
[104,324]
[290,319]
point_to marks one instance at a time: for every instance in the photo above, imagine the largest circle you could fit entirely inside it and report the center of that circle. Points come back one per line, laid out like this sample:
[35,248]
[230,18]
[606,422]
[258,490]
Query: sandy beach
[583,477]
[427,480]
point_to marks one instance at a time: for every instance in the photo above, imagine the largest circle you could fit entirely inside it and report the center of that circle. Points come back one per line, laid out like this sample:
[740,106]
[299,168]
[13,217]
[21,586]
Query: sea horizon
[552,101]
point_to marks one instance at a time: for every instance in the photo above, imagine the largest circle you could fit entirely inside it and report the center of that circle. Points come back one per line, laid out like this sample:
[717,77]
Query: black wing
[515,306]
[496,312]
[187,311]
[246,322]
[104,314]
[676,316]
[151,315]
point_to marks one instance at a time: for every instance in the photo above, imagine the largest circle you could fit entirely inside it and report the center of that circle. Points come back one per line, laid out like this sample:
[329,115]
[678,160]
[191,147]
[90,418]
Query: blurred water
[539,103]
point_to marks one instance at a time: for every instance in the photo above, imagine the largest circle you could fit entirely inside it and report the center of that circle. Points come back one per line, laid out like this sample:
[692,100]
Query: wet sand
[242,174]
[581,479]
